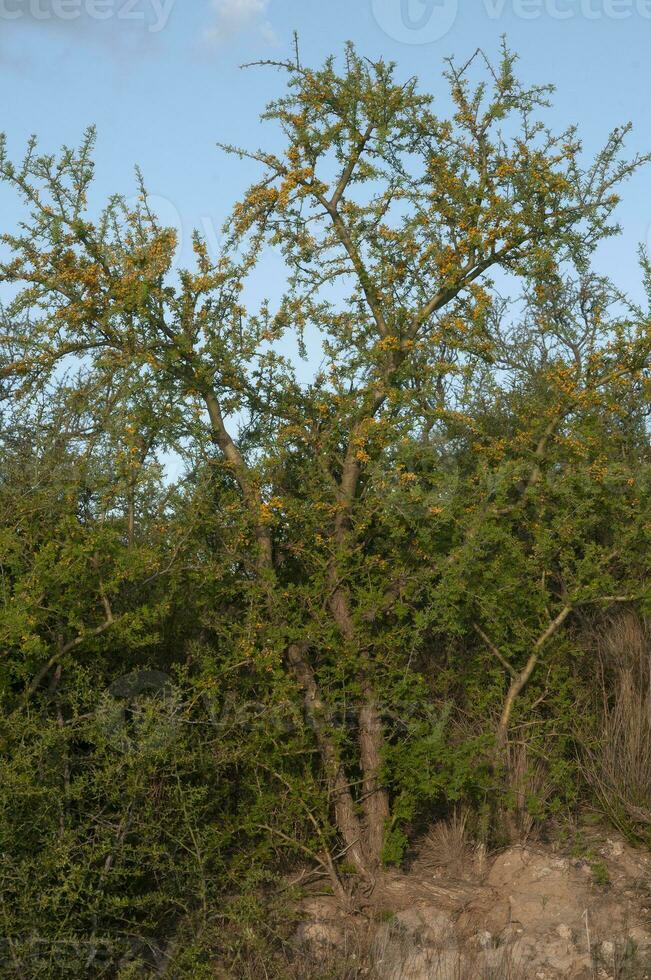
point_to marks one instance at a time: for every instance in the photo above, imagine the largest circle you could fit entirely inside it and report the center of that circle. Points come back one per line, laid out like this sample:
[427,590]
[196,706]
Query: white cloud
[232,17]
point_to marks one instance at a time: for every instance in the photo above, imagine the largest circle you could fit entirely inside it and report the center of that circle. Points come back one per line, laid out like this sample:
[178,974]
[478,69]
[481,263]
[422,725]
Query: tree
[352,510]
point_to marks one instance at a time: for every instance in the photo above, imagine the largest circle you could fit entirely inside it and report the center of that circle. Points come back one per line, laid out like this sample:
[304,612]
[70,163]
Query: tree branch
[494,650]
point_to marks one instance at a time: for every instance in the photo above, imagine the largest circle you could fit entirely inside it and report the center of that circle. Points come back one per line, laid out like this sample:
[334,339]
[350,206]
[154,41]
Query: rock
[497,918]
[423,924]
[484,939]
[544,892]
[400,963]
[324,927]
[408,919]
[507,866]
[561,955]
[320,936]
[615,848]
[533,915]
[438,925]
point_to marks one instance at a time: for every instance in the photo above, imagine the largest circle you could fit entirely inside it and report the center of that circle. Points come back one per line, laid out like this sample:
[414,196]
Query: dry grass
[348,961]
[390,954]
[616,760]
[617,958]
[527,779]
[377,950]
[393,955]
[403,960]
[447,847]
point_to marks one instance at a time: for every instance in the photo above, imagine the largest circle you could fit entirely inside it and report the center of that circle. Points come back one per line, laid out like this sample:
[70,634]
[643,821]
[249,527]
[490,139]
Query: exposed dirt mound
[529,912]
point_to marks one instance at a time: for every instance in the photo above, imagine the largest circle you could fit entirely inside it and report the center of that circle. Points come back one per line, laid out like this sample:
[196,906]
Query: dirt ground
[543,911]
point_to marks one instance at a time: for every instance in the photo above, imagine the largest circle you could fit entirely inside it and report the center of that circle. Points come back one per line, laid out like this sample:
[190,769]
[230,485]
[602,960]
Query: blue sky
[161,80]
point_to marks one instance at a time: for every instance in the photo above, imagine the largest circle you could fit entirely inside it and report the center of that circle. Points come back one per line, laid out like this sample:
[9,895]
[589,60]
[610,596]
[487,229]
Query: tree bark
[374,799]
[235,460]
[346,816]
[520,678]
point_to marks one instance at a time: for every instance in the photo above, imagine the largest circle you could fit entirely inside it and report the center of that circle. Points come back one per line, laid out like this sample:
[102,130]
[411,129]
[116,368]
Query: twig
[493,649]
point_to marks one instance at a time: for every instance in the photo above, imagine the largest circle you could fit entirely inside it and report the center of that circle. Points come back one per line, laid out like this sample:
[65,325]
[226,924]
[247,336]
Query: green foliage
[361,591]
[600,873]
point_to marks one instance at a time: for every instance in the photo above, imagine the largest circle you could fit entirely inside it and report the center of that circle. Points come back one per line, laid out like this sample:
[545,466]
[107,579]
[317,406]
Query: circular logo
[138,712]
[415,21]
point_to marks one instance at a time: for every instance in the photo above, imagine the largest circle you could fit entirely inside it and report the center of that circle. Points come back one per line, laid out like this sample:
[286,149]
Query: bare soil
[535,910]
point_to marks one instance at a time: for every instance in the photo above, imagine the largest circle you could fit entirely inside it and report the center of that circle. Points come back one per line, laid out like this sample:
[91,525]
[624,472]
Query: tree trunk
[375,799]
[348,822]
